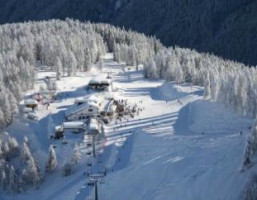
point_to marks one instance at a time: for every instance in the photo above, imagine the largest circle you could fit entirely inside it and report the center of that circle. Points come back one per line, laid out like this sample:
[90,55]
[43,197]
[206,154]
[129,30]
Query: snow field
[160,154]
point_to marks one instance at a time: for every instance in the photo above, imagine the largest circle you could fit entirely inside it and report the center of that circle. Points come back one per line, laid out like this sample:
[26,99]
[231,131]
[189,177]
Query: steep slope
[226,28]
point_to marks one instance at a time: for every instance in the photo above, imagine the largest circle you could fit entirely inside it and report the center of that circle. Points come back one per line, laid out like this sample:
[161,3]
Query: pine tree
[151,69]
[2,120]
[13,147]
[31,173]
[77,155]
[59,68]
[68,169]
[3,179]
[101,65]
[251,147]
[26,140]
[6,151]
[207,86]
[72,64]
[13,104]
[52,161]
[13,184]
[25,153]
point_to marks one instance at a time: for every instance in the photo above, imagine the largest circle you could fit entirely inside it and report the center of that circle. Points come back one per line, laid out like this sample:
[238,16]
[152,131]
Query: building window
[90,110]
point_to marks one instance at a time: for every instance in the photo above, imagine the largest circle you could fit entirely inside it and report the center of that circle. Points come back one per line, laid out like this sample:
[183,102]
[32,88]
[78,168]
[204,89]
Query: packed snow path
[179,147]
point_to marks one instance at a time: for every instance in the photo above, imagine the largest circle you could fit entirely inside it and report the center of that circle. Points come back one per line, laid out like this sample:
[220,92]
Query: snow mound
[212,117]
[170,91]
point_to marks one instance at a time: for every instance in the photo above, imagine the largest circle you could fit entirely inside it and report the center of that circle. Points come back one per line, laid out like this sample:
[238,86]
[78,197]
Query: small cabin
[100,83]
[31,103]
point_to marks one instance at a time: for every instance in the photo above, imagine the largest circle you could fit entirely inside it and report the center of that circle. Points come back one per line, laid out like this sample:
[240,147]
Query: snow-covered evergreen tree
[151,71]
[207,86]
[2,120]
[59,68]
[13,180]
[251,148]
[25,153]
[68,169]
[77,155]
[31,173]
[100,65]
[13,147]
[52,160]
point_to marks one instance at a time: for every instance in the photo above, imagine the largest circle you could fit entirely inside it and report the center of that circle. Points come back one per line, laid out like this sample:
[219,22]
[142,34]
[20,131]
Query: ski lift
[91,184]
[96,177]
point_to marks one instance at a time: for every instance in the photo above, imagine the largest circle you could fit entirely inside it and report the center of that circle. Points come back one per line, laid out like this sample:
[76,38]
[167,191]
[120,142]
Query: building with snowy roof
[89,98]
[100,82]
[31,103]
[92,105]
[74,126]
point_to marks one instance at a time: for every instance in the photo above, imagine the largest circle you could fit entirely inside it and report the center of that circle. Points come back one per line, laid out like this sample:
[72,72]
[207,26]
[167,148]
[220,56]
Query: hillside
[225,28]
[160,153]
[84,103]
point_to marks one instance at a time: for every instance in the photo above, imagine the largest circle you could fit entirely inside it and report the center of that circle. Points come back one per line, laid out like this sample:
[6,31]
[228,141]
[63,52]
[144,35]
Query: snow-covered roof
[93,98]
[88,98]
[74,124]
[58,128]
[26,110]
[100,79]
[30,102]
[75,109]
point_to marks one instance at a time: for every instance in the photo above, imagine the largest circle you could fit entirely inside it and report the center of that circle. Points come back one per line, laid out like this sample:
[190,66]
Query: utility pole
[94,154]
[96,191]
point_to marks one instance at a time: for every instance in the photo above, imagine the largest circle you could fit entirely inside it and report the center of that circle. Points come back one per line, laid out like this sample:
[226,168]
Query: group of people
[126,111]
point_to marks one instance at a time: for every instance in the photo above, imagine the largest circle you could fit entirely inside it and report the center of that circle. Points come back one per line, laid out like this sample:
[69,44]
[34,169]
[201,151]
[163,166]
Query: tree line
[62,46]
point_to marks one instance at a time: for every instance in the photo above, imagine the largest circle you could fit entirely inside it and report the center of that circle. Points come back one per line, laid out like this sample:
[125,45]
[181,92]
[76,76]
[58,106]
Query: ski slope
[179,147]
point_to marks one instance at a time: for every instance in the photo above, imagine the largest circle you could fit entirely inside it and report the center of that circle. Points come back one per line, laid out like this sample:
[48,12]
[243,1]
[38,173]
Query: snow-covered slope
[160,154]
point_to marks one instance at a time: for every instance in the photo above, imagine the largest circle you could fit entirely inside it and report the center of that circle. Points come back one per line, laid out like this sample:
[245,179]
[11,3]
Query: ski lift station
[93,127]
[74,126]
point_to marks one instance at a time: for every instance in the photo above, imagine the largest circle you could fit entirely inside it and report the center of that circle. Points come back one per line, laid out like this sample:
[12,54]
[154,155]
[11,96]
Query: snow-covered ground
[179,147]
